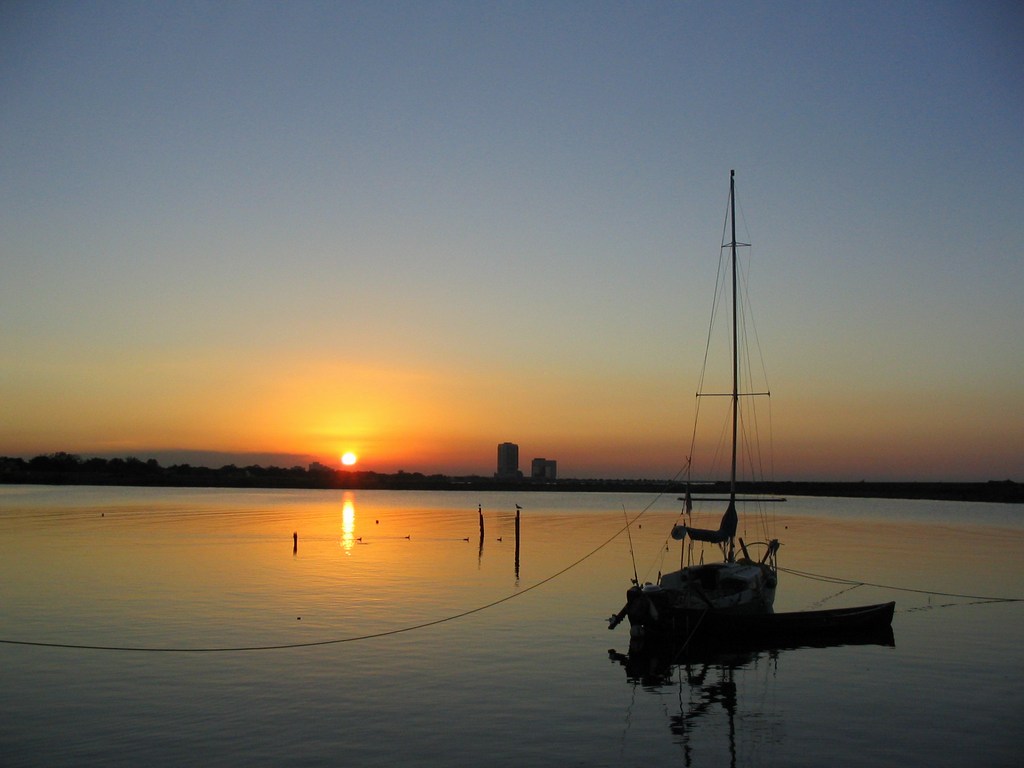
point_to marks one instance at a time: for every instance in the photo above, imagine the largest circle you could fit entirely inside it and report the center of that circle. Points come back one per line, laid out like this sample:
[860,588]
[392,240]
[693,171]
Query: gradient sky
[416,230]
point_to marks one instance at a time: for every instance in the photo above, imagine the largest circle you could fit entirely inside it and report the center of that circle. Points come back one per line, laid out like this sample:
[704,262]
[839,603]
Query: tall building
[508,460]
[544,469]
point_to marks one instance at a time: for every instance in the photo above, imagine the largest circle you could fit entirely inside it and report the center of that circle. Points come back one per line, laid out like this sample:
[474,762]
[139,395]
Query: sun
[349,458]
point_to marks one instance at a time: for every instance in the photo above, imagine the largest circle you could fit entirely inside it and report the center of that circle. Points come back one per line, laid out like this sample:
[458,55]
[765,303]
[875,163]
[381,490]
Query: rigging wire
[754,455]
[716,303]
[629,533]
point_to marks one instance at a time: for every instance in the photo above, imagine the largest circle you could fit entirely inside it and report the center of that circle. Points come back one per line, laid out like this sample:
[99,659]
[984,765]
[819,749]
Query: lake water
[391,636]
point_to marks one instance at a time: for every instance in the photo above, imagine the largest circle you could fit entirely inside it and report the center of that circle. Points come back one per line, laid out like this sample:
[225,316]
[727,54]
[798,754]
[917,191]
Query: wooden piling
[480,549]
[517,541]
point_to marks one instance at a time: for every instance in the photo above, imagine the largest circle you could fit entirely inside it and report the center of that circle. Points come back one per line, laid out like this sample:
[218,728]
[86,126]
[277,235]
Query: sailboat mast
[735,345]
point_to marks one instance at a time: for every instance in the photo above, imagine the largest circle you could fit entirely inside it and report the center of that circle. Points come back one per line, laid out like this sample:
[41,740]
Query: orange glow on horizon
[409,417]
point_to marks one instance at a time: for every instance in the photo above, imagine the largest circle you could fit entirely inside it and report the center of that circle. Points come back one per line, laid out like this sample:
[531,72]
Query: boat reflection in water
[708,688]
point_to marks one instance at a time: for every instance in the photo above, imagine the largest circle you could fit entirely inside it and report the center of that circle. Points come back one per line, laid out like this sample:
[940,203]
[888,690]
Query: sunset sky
[277,232]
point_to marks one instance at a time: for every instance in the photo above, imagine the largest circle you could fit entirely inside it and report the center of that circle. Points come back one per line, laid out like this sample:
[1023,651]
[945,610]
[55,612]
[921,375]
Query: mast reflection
[714,688]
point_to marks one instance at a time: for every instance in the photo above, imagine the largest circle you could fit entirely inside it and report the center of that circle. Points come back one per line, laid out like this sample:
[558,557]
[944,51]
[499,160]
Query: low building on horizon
[545,470]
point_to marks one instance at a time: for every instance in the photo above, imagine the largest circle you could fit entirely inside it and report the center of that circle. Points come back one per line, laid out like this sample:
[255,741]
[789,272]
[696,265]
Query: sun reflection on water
[348,521]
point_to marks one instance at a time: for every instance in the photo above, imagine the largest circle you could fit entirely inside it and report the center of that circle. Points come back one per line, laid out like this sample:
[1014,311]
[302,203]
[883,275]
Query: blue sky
[249,227]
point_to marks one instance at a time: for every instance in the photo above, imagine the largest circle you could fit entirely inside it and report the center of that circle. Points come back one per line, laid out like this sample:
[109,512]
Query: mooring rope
[333,641]
[855,583]
[471,611]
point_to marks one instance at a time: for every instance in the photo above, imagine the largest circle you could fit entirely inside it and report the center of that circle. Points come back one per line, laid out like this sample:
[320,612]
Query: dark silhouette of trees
[63,468]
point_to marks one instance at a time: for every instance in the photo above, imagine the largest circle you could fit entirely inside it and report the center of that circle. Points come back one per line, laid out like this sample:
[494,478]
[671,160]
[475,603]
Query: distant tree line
[69,469]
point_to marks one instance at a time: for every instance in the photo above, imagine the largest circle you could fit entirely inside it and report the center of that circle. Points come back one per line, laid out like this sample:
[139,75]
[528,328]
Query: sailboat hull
[658,620]
[736,587]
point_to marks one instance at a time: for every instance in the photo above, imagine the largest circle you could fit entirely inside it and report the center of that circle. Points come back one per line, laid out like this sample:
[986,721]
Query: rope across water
[334,641]
[854,583]
[471,611]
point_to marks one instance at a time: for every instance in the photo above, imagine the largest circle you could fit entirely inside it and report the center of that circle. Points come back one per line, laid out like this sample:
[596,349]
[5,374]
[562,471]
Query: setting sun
[348,459]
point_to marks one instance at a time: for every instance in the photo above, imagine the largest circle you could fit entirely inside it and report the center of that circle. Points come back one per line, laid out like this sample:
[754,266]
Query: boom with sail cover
[726,530]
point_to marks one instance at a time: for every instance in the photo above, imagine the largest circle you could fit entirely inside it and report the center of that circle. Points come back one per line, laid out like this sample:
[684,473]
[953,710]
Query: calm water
[526,681]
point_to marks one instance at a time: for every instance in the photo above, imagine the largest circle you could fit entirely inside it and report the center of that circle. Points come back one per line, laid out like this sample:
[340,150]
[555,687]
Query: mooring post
[480,549]
[517,541]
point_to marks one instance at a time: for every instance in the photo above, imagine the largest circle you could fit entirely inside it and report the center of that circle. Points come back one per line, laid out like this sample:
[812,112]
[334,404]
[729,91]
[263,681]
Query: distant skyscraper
[508,460]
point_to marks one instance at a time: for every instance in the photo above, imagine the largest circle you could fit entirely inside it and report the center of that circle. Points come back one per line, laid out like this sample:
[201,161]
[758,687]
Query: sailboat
[731,601]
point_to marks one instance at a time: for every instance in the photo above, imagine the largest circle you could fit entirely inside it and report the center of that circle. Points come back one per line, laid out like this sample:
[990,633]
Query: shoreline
[68,470]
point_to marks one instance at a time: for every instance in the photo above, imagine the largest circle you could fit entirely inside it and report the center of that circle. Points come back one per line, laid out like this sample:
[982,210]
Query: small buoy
[377,522]
[298,618]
